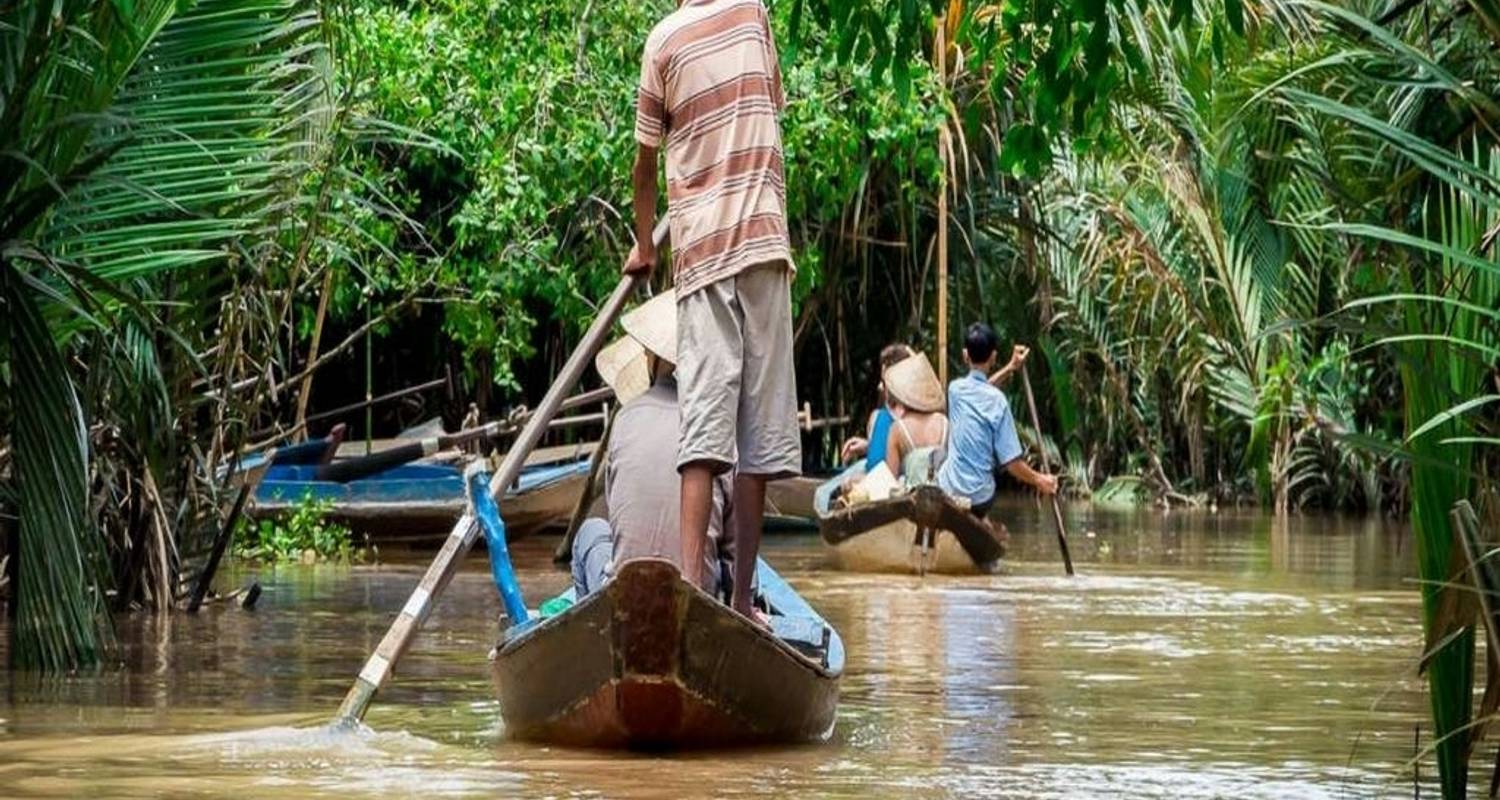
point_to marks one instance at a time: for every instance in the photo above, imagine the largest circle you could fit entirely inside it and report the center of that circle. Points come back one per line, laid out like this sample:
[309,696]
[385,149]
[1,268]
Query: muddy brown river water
[1195,655]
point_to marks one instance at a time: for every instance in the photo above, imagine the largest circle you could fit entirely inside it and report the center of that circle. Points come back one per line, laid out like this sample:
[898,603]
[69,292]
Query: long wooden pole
[305,393]
[378,668]
[389,396]
[941,57]
[1036,425]
[350,469]
[564,552]
[221,543]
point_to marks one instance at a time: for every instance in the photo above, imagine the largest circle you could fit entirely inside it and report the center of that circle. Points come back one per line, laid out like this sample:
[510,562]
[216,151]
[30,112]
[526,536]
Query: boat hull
[792,497]
[920,531]
[649,661]
[417,505]
[895,548]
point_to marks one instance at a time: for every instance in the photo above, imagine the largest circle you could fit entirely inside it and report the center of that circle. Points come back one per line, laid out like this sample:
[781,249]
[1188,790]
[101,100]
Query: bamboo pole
[940,55]
[503,428]
[381,663]
[221,543]
[369,375]
[389,396]
[564,552]
[349,469]
[1057,515]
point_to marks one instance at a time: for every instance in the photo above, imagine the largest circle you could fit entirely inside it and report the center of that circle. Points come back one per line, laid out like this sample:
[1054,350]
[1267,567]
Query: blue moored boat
[418,503]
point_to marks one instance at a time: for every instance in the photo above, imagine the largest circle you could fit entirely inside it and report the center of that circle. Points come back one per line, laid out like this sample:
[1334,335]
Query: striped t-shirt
[711,90]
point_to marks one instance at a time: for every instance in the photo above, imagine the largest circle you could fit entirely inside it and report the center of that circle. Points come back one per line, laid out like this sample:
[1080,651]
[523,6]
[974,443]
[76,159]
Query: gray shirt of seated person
[642,490]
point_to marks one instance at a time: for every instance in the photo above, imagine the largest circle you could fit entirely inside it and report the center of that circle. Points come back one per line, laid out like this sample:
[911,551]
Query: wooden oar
[1036,425]
[377,669]
[349,469]
[564,552]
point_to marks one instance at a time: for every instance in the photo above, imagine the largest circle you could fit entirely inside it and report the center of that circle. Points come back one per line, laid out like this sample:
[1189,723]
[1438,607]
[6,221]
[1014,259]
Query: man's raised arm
[650,133]
[643,180]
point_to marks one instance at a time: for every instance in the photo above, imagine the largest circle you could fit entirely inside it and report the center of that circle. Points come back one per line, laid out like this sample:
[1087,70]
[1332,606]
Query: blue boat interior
[308,452]
[793,620]
[408,483]
[796,622]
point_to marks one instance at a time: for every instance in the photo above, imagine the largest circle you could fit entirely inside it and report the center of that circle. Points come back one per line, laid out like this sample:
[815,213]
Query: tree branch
[342,347]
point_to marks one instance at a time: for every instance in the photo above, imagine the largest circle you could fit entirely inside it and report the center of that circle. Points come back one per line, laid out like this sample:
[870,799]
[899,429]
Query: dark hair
[893,354]
[980,342]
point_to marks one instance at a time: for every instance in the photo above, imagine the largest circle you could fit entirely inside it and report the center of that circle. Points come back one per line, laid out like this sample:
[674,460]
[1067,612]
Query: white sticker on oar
[466,531]
[416,605]
[375,670]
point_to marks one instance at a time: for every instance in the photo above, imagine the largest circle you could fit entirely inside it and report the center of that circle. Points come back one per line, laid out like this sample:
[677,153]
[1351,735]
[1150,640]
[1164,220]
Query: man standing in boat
[641,485]
[711,95]
[984,430]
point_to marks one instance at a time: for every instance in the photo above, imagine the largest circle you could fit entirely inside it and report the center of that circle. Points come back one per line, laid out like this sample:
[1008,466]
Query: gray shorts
[735,381]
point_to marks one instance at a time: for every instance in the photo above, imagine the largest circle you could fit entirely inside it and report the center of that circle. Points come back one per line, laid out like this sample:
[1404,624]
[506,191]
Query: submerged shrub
[302,534]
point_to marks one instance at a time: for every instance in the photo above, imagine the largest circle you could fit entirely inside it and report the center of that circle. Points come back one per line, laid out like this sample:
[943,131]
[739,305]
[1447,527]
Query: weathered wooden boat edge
[924,507]
[649,661]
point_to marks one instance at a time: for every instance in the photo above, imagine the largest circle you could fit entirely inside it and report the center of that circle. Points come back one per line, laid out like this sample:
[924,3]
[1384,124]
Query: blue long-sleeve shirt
[983,439]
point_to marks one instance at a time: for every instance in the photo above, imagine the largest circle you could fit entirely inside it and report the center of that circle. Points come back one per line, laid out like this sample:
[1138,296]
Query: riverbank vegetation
[1253,242]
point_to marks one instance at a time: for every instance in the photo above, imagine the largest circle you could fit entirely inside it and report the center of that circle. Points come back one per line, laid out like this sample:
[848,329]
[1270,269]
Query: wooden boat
[416,504]
[312,451]
[649,661]
[922,530]
[251,467]
[792,497]
[789,504]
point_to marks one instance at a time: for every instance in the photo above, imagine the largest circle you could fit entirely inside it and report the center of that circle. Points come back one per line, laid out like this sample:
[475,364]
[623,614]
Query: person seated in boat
[641,484]
[915,399]
[984,436]
[909,421]
[871,448]
[911,424]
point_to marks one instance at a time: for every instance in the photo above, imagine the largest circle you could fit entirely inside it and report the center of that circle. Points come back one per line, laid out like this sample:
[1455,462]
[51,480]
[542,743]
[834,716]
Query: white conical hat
[912,383]
[624,367]
[654,324]
[651,328]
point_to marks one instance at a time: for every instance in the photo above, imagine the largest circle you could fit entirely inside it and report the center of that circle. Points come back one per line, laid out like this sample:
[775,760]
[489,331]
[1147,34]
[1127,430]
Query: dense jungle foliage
[1253,242]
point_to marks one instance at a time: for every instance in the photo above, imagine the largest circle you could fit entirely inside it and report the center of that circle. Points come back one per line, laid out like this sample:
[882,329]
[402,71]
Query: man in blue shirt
[984,431]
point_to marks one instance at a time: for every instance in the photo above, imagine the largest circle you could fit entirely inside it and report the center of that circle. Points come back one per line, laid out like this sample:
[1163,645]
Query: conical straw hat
[651,328]
[912,383]
[623,365]
[654,324]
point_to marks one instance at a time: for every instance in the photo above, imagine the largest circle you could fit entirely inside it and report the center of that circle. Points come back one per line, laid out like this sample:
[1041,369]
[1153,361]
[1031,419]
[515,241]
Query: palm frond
[60,623]
[176,137]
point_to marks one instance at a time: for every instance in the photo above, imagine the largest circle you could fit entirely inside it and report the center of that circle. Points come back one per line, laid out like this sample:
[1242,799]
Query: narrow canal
[1196,655]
